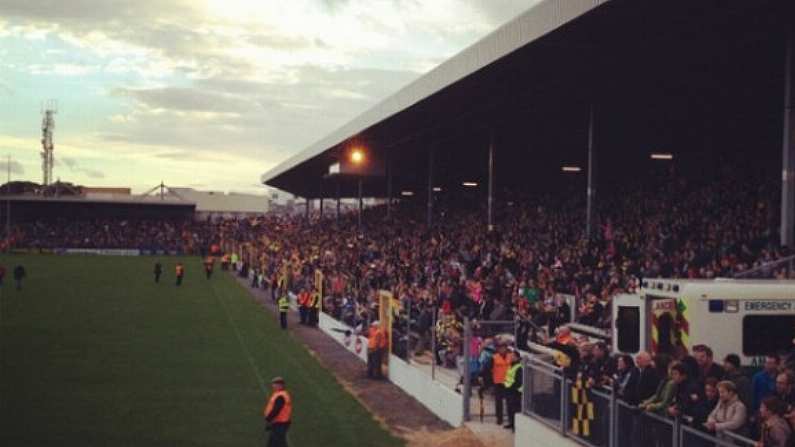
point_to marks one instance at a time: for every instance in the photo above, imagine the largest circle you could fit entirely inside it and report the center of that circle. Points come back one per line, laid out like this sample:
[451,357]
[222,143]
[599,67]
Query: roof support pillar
[788,151]
[308,200]
[388,185]
[322,196]
[430,185]
[337,217]
[591,191]
[491,183]
[361,202]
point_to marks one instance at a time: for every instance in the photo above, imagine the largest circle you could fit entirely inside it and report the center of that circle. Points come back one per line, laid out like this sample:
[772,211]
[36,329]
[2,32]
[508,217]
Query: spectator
[661,401]
[648,378]
[625,380]
[731,364]
[729,414]
[705,406]
[763,383]
[707,367]
[687,396]
[784,390]
[775,431]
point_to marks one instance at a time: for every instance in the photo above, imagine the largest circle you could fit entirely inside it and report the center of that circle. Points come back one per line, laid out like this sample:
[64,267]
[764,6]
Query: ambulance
[750,318]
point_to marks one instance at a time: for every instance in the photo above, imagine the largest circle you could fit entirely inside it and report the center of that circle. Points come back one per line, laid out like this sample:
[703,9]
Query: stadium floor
[94,353]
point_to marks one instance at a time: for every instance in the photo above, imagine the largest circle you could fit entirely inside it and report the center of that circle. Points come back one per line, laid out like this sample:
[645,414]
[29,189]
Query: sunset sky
[210,93]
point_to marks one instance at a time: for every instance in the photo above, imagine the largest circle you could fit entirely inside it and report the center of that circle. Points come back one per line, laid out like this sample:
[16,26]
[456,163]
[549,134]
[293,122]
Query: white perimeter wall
[531,433]
[336,330]
[441,400]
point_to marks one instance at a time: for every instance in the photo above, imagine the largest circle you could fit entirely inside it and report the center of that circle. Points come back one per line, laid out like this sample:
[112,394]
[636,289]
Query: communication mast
[48,111]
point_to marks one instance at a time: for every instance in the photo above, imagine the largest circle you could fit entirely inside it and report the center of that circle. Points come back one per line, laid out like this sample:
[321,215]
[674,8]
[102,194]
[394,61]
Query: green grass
[95,354]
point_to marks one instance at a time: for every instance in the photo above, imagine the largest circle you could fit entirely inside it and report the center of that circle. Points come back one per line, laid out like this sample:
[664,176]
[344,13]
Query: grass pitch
[94,353]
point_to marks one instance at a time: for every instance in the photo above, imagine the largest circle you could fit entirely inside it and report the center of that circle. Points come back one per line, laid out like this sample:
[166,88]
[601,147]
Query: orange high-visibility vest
[287,410]
[500,366]
[374,339]
[180,270]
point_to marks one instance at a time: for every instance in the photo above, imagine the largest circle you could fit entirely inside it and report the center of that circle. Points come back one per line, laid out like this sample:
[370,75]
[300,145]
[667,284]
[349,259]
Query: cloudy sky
[210,93]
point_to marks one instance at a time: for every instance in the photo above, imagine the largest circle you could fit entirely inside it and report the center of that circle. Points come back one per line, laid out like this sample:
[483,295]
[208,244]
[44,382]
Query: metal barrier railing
[784,267]
[596,418]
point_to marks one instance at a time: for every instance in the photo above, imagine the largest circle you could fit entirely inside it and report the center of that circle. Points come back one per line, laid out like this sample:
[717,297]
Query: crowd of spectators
[712,397]
[537,254]
[177,236]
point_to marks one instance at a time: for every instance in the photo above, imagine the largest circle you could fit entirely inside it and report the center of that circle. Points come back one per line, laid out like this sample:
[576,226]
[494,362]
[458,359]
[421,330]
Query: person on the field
[2,274]
[314,309]
[158,271]
[284,306]
[180,273]
[303,306]
[278,414]
[19,275]
[208,267]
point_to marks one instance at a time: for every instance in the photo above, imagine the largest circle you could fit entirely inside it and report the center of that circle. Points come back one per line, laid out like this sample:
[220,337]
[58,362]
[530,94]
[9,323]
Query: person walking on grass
[209,263]
[180,273]
[19,275]
[278,414]
[284,307]
[158,271]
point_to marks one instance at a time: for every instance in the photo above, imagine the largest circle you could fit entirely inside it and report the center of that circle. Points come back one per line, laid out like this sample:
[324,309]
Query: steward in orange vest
[180,273]
[375,350]
[278,414]
[501,362]
[303,306]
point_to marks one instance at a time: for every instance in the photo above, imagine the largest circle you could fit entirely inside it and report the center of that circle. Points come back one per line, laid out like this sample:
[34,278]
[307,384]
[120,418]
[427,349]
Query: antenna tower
[48,110]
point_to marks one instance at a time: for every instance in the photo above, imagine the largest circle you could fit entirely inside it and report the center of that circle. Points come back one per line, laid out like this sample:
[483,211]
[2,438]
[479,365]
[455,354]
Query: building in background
[216,204]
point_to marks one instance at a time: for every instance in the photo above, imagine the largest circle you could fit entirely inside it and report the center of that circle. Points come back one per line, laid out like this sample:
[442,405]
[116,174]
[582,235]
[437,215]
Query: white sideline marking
[242,343]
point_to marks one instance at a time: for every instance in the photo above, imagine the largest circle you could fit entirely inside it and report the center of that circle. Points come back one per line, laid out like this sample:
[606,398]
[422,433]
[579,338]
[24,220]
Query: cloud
[256,118]
[237,83]
[60,69]
[75,167]
[16,168]
[188,99]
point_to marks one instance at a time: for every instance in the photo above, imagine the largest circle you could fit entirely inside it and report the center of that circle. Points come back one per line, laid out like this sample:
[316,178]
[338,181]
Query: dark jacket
[19,272]
[629,391]
[648,380]
[714,370]
[743,384]
[688,395]
[701,412]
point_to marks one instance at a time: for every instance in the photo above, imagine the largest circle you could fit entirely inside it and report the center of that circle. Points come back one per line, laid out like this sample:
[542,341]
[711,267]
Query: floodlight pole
[8,205]
[491,182]
[591,191]
[430,186]
[788,150]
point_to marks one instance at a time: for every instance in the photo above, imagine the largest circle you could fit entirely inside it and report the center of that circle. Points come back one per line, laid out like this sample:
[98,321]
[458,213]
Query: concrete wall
[531,433]
[336,330]
[442,401]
